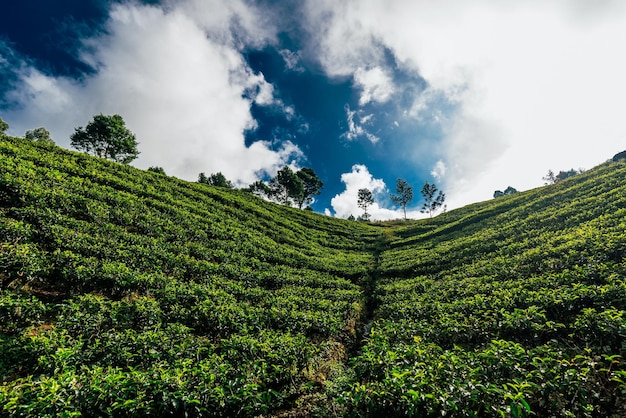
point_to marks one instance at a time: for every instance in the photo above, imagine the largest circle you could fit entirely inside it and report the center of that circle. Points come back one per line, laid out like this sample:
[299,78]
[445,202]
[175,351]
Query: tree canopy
[289,187]
[404,194]
[217,179]
[286,186]
[106,137]
[552,178]
[432,200]
[157,169]
[40,134]
[509,190]
[311,186]
[259,188]
[619,156]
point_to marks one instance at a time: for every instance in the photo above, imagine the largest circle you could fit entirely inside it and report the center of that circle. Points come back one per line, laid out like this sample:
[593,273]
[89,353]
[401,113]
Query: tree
[365,199]
[289,187]
[157,169]
[509,190]
[3,126]
[286,186]
[619,156]
[551,178]
[217,179]
[404,196]
[432,200]
[259,188]
[40,134]
[311,186]
[106,137]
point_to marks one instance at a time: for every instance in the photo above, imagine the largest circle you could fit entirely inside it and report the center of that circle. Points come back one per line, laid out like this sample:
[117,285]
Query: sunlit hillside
[130,293]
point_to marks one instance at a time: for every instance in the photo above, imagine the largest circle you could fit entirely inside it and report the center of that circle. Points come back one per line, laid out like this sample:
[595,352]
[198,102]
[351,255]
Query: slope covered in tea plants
[129,292]
[126,292]
[512,307]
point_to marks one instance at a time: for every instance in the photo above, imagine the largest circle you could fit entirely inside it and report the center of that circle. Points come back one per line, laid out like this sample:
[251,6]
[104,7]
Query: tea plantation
[130,293]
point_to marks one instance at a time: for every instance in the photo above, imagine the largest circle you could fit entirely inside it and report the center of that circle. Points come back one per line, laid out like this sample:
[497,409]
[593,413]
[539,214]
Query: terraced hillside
[125,292]
[513,307]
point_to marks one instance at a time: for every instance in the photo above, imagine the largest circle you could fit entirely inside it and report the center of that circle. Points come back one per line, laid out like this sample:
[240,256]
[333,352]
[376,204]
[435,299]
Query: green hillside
[129,293]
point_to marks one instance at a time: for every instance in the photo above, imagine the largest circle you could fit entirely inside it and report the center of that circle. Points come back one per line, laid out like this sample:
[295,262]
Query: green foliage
[106,137]
[40,134]
[260,189]
[157,169]
[432,200]
[552,178]
[124,293]
[404,194]
[289,187]
[217,179]
[286,186]
[3,127]
[311,186]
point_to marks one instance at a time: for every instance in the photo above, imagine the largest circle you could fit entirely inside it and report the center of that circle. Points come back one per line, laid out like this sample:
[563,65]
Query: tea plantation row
[126,292]
[129,293]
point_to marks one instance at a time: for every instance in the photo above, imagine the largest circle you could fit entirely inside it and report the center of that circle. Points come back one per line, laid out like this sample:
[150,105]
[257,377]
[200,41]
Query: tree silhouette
[432,200]
[311,186]
[404,194]
[40,134]
[106,137]
[286,186]
[365,199]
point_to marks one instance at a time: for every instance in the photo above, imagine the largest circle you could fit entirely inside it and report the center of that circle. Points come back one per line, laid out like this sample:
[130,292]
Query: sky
[472,95]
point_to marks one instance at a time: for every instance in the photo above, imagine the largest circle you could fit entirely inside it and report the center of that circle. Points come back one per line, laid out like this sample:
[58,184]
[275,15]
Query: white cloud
[292,60]
[338,40]
[439,170]
[356,126]
[178,80]
[345,203]
[375,85]
[537,84]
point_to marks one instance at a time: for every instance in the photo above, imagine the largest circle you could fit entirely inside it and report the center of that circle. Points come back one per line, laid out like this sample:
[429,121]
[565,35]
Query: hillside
[126,292]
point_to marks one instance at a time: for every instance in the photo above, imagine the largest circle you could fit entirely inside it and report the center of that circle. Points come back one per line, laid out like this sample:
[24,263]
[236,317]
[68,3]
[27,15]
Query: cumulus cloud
[344,204]
[177,77]
[375,85]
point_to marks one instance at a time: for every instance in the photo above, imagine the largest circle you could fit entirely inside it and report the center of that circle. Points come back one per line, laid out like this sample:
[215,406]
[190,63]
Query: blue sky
[472,95]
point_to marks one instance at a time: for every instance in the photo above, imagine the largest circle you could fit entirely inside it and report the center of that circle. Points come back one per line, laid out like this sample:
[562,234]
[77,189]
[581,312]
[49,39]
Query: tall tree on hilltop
[364,200]
[432,200]
[404,194]
[106,137]
[311,186]
[286,186]
[259,188]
